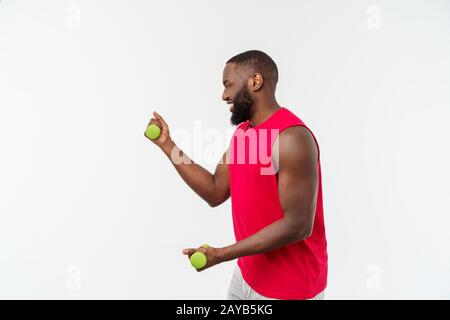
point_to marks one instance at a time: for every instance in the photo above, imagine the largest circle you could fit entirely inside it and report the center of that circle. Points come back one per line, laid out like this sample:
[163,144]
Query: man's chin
[233,120]
[239,114]
[237,120]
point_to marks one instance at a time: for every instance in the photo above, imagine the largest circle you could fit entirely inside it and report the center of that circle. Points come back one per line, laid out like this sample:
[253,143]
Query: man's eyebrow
[225,82]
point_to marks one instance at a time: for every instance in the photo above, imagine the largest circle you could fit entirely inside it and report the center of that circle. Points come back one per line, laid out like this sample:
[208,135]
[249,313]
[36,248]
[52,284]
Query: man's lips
[231,107]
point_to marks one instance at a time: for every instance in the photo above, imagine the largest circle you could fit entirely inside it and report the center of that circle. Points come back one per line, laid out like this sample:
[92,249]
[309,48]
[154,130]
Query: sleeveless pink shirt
[298,270]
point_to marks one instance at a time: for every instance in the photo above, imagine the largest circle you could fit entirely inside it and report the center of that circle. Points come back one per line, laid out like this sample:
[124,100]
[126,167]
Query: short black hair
[257,61]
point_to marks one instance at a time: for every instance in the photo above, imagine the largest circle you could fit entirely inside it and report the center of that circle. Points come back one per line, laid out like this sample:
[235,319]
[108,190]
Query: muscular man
[277,205]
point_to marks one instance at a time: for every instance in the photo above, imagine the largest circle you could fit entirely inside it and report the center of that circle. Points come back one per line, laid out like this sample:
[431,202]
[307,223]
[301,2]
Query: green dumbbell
[153,131]
[198,259]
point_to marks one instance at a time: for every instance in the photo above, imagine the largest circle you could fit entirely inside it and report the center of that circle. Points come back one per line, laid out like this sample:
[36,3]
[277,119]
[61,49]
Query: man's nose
[225,96]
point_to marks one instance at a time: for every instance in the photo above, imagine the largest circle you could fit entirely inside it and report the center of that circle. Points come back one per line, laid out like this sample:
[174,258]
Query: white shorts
[240,290]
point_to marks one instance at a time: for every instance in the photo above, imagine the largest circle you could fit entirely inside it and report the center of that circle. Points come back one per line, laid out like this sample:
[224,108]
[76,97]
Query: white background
[89,208]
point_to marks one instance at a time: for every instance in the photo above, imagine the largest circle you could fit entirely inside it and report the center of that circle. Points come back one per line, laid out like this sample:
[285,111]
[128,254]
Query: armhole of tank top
[312,134]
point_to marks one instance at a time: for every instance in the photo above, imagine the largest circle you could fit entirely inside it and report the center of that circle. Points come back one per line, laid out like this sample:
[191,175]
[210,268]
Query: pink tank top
[298,270]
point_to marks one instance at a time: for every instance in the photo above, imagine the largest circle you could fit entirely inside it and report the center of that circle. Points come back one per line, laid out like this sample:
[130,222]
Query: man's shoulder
[296,141]
[296,135]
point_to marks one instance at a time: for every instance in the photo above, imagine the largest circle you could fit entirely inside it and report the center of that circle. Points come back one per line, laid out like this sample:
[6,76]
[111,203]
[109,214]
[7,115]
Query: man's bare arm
[213,188]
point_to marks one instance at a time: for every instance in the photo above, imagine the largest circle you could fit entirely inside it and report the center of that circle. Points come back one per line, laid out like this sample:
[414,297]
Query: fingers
[188,251]
[153,121]
[201,249]
[159,118]
[191,251]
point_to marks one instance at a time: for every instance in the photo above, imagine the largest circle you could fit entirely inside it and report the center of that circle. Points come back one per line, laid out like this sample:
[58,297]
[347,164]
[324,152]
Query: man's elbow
[216,203]
[213,204]
[305,234]
[217,199]
[303,231]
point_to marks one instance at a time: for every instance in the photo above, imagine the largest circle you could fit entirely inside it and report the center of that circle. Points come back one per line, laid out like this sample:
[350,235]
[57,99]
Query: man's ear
[256,82]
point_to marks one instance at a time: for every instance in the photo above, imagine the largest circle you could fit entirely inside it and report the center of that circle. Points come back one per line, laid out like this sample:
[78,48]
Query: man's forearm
[276,235]
[196,177]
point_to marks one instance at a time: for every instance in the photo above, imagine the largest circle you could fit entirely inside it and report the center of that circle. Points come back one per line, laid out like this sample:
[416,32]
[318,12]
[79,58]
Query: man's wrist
[227,253]
[167,147]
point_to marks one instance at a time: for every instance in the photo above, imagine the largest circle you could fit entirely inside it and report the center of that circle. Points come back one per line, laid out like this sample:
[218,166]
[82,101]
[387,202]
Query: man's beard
[242,106]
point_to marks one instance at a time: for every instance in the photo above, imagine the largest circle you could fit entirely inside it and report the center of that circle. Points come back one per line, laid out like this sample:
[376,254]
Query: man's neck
[263,112]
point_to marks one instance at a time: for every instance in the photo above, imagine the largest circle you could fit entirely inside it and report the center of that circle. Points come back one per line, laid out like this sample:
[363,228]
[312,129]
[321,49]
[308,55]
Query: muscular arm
[297,187]
[213,188]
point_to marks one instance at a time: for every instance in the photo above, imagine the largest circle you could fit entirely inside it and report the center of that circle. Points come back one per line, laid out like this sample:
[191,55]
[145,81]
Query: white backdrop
[89,208]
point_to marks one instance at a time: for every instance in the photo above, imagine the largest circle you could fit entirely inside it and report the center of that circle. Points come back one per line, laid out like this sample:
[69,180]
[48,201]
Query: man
[277,208]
